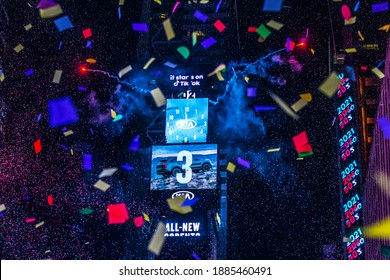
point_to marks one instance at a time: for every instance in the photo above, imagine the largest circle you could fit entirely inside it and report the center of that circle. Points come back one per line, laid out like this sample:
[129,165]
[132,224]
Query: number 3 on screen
[187,167]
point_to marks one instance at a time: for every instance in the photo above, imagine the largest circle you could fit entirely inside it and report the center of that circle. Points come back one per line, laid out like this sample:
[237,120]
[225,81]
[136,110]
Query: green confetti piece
[263,31]
[305,154]
[86,211]
[184,52]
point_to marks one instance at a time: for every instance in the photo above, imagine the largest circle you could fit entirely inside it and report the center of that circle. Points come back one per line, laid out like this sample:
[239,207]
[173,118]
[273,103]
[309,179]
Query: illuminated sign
[184,167]
[182,229]
[186,80]
[186,120]
[187,194]
[350,174]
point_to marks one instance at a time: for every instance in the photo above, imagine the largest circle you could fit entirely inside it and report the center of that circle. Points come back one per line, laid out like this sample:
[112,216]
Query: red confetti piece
[219,25]
[364,68]
[117,213]
[252,29]
[37,146]
[50,200]
[87,33]
[301,143]
[139,221]
[30,220]
[346,12]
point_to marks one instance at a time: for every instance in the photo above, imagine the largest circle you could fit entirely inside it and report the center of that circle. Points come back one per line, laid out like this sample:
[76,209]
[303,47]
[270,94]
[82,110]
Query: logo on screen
[186,124]
[188,195]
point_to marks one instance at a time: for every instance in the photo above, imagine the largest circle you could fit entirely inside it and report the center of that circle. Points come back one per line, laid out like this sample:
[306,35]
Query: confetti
[308,97]
[157,241]
[37,146]
[301,143]
[175,204]
[50,200]
[87,33]
[272,5]
[231,167]
[50,12]
[380,229]
[39,224]
[124,71]
[184,51]
[219,25]
[216,70]
[300,104]
[135,143]
[86,211]
[158,97]
[263,31]
[208,42]
[251,92]
[195,256]
[378,73]
[62,112]
[284,106]
[141,27]
[57,77]
[385,126]
[273,150]
[199,15]
[101,185]
[380,7]
[19,48]
[150,61]
[352,20]
[2,207]
[139,221]
[108,172]
[264,108]
[29,72]
[346,12]
[117,213]
[146,217]
[274,25]
[28,27]
[168,29]
[243,162]
[329,85]
[63,23]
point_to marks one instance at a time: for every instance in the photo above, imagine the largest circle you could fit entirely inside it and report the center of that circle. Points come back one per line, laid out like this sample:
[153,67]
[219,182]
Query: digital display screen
[184,167]
[348,142]
[186,120]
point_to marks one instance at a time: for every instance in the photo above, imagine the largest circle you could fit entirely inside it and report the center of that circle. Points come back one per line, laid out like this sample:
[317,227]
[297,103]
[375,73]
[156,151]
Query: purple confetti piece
[89,45]
[190,202]
[385,126]
[208,42]
[63,23]
[60,45]
[264,108]
[1,215]
[39,117]
[251,92]
[82,88]
[64,129]
[199,15]
[142,27]
[44,4]
[62,112]
[196,256]
[288,42]
[127,167]
[243,162]
[63,147]
[380,7]
[87,162]
[135,144]
[91,131]
[219,5]
[29,72]
[119,12]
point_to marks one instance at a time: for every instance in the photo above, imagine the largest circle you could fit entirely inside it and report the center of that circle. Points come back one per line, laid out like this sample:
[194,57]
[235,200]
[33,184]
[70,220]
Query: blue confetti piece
[251,92]
[380,64]
[272,5]
[87,162]
[127,167]
[135,144]
[82,88]
[201,16]
[170,64]
[60,45]
[63,23]
[62,112]
[385,126]
[208,42]
[196,256]
[91,131]
[190,202]
[264,108]
[64,148]
[380,7]
[219,5]
[1,215]
[119,13]
[39,117]
[89,45]
[29,72]
[356,8]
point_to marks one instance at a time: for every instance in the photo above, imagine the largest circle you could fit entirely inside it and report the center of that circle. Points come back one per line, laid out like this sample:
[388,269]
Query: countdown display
[349,164]
[184,167]
[186,120]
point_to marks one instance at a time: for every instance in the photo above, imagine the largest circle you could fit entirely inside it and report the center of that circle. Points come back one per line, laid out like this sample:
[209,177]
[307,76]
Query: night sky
[280,208]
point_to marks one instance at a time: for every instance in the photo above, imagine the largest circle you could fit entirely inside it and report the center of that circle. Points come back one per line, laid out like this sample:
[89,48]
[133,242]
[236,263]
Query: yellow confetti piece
[380,229]
[312,51]
[28,27]
[103,186]
[274,24]
[300,158]
[231,167]
[306,96]
[273,150]
[69,132]
[121,2]
[329,85]
[378,73]
[220,77]
[385,27]
[150,61]
[168,29]
[91,60]
[39,224]
[124,71]
[157,241]
[71,151]
[346,239]
[218,69]
[158,1]
[194,38]
[352,20]
[350,50]
[2,77]
[50,12]
[300,104]
[19,48]
[146,217]
[57,77]
[360,35]
[113,114]
[158,97]
[246,79]
[218,218]
[284,106]
[175,204]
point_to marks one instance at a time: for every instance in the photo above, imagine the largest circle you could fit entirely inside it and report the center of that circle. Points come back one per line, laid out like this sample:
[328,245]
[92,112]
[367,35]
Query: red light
[83,69]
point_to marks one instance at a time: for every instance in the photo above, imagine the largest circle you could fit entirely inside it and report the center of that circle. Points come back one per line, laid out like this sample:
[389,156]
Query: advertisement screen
[184,167]
[186,120]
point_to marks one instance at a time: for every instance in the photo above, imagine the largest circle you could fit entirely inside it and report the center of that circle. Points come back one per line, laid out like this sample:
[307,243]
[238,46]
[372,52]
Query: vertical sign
[349,169]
